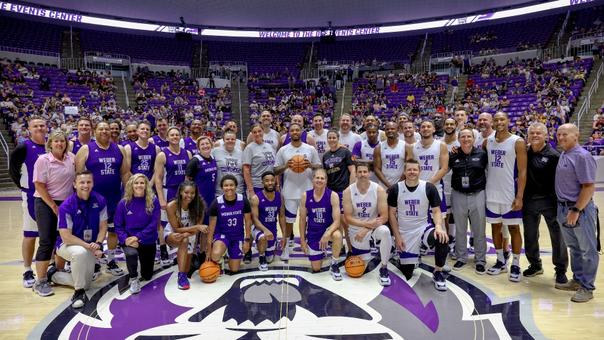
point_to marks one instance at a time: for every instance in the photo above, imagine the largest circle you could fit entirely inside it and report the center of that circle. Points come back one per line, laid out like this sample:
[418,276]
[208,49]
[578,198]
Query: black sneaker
[458,265]
[480,269]
[97,271]
[561,278]
[532,270]
[164,257]
[78,300]
[247,258]
[29,279]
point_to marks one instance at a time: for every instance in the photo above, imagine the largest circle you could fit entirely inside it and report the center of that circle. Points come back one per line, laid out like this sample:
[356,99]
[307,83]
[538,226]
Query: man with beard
[319,134]
[389,157]
[294,184]
[451,141]
[131,135]
[105,160]
[506,179]
[363,150]
[161,138]
[267,206]
[306,138]
[407,132]
[190,142]
[270,136]
[437,119]
[347,137]
[485,126]
[369,121]
[84,134]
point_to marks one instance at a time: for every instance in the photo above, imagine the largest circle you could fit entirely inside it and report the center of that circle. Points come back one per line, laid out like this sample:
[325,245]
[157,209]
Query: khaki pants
[82,267]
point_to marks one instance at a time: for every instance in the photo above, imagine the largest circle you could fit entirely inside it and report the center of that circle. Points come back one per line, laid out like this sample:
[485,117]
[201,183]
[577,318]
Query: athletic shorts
[314,250]
[169,194]
[503,213]
[30,227]
[362,248]
[291,210]
[414,239]
[270,245]
[234,246]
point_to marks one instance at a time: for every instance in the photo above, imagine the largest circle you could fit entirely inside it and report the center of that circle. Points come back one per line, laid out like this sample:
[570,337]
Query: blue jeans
[582,242]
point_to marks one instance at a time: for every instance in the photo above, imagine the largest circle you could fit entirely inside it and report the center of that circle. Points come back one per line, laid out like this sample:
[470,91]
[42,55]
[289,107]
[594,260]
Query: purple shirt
[33,151]
[162,143]
[132,219]
[575,167]
[142,160]
[82,215]
[268,211]
[191,145]
[319,215]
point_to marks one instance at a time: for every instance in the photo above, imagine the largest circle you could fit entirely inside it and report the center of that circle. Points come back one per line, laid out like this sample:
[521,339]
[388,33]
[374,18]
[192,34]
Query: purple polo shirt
[575,167]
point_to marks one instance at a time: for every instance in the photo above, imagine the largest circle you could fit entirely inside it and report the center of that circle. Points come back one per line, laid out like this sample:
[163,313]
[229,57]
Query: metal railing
[586,106]
[72,63]
[424,46]
[576,39]
[562,29]
[125,90]
[5,149]
[343,97]
[29,51]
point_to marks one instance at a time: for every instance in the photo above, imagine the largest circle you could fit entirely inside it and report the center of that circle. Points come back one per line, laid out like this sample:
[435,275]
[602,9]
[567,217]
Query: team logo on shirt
[290,302]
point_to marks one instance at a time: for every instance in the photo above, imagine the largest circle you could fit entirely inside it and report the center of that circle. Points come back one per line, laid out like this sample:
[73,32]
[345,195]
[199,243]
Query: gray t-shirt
[575,167]
[261,158]
[229,163]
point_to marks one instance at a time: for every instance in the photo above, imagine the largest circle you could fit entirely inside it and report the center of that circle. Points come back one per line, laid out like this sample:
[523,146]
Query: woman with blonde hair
[136,220]
[53,177]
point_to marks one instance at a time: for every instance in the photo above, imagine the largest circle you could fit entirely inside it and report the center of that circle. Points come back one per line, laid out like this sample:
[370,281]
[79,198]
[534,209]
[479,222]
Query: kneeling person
[409,204]
[230,224]
[366,211]
[185,228]
[82,228]
[320,224]
[266,206]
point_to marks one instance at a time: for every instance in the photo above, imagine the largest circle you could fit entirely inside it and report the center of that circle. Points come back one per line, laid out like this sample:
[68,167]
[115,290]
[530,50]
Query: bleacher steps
[597,99]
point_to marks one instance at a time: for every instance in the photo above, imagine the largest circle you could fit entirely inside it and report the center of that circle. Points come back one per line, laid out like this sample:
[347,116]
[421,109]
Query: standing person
[54,173]
[267,206]
[347,137]
[461,116]
[161,138]
[190,142]
[366,212]
[485,126]
[131,134]
[116,132]
[82,228]
[506,179]
[170,168]
[363,151]
[320,224]
[271,137]
[229,161]
[230,225]
[294,184]
[231,125]
[202,169]
[410,136]
[319,134]
[136,220]
[410,202]
[372,121]
[106,162]
[451,141]
[338,165]
[21,170]
[468,181]
[258,158]
[575,178]
[140,155]
[433,158]
[185,228]
[389,158]
[84,126]
[306,137]
[540,200]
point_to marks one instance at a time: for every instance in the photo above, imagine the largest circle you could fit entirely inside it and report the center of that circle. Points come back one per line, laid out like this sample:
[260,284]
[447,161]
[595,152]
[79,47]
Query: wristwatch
[575,209]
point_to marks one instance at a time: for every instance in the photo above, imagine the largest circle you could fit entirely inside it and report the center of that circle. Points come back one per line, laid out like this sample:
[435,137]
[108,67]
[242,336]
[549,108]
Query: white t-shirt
[294,184]
[349,139]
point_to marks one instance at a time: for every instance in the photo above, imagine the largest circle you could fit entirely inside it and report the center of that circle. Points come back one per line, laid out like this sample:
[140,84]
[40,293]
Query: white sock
[110,254]
[27,268]
[334,260]
[516,259]
[500,256]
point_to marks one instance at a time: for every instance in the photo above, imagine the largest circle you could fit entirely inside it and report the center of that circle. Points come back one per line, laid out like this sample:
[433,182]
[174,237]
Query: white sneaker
[135,286]
[335,272]
[285,254]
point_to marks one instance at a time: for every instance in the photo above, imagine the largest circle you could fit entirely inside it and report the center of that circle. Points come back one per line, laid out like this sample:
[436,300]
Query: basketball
[298,164]
[355,266]
[209,272]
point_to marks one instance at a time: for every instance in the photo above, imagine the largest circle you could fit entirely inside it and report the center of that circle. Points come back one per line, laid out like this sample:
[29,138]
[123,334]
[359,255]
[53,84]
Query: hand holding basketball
[298,164]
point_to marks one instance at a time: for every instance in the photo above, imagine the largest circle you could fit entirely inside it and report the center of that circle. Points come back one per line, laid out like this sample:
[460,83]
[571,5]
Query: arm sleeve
[16,160]
[585,168]
[40,174]
[192,168]
[247,208]
[356,149]
[279,159]
[247,156]
[348,158]
[433,196]
[213,211]
[393,196]
[119,223]
[151,227]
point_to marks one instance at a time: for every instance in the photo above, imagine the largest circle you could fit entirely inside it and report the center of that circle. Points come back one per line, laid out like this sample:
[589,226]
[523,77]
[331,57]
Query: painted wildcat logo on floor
[290,304]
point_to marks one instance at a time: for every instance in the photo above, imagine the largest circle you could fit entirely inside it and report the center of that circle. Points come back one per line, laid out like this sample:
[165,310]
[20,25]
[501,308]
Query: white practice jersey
[429,161]
[502,171]
[364,206]
[393,161]
[479,139]
[381,135]
[349,139]
[320,141]
[294,184]
[412,208]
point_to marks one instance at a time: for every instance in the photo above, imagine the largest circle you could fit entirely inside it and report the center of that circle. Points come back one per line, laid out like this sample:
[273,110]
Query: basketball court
[288,302]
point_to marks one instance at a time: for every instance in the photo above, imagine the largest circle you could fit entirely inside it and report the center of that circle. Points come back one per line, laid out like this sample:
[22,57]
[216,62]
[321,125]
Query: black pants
[145,253]
[47,229]
[532,211]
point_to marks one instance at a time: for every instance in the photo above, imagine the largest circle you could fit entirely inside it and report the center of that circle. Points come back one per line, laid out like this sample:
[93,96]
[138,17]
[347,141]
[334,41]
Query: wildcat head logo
[287,304]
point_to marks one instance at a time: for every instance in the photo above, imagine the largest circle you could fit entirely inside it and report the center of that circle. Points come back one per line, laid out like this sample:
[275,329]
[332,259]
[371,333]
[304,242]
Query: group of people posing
[395,192]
